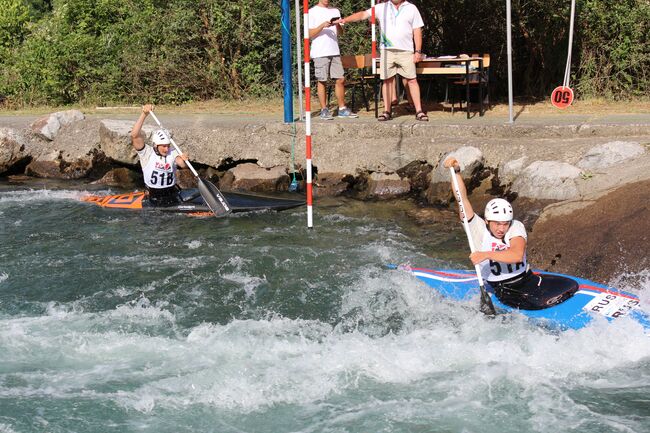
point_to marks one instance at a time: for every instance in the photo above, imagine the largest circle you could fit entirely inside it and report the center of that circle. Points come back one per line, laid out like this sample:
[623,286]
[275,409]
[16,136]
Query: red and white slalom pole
[310,216]
[374,36]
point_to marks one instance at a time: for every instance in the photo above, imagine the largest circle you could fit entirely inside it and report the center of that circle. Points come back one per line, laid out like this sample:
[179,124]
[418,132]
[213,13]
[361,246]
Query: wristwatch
[418,51]
[457,169]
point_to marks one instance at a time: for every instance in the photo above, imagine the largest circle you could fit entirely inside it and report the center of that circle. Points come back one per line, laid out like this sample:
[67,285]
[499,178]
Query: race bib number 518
[162,178]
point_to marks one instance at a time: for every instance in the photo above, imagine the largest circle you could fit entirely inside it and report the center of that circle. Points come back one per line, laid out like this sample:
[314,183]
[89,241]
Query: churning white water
[118,321]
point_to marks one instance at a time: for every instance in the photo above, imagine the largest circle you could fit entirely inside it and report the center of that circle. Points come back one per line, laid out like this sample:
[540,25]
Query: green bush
[173,51]
[614,57]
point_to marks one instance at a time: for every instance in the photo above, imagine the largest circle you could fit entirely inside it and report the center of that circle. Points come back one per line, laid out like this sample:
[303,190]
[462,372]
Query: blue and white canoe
[590,301]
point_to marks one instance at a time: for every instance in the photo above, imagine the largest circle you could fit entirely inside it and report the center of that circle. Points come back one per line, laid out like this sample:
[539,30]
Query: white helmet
[498,209]
[161,136]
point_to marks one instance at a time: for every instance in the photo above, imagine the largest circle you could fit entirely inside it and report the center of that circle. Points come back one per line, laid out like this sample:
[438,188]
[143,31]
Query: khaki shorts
[328,67]
[396,62]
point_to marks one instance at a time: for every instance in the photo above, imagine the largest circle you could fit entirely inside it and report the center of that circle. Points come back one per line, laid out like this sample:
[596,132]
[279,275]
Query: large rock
[331,184]
[12,148]
[511,169]
[417,172]
[547,180]
[48,127]
[252,177]
[186,179]
[470,160]
[71,155]
[115,140]
[121,177]
[611,153]
[47,165]
[52,166]
[385,186]
[597,239]
[77,140]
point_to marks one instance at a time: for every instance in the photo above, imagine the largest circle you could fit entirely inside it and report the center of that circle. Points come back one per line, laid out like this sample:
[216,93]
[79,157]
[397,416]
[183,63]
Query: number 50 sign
[562,96]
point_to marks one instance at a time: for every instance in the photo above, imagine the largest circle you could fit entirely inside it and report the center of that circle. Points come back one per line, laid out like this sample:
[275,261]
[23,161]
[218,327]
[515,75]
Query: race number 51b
[562,97]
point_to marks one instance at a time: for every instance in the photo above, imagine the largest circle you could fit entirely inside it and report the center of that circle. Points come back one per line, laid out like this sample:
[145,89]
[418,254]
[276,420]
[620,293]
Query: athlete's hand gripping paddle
[487,307]
[212,196]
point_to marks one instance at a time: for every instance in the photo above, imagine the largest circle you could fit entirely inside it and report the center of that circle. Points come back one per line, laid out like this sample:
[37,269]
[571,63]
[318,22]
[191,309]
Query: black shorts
[164,196]
[531,291]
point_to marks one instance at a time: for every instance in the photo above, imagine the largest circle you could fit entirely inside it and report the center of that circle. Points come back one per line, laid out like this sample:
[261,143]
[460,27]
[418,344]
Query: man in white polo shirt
[324,50]
[401,48]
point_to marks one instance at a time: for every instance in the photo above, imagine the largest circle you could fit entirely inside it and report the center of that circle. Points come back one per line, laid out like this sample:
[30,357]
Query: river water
[122,321]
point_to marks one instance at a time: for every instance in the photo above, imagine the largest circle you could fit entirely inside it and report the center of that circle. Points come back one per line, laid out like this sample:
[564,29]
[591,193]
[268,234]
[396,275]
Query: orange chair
[358,74]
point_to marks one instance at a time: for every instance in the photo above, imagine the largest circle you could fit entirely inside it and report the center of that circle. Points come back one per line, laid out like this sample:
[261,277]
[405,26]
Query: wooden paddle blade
[213,198]
[487,307]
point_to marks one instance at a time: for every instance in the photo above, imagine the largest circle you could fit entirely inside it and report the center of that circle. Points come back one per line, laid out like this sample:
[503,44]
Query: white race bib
[159,171]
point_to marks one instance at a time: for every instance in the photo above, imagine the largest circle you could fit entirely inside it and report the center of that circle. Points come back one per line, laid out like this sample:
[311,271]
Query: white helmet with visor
[161,136]
[498,209]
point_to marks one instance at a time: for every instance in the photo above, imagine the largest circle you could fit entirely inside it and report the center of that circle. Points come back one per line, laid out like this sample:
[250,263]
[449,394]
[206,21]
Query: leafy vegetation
[172,51]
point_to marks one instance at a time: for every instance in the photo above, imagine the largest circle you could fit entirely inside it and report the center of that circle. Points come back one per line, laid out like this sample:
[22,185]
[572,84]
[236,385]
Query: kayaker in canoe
[158,162]
[500,243]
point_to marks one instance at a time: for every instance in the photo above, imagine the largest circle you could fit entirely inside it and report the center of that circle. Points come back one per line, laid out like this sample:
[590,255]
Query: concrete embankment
[576,161]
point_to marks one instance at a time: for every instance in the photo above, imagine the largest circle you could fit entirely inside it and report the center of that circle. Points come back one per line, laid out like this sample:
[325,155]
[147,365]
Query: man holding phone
[401,48]
[325,52]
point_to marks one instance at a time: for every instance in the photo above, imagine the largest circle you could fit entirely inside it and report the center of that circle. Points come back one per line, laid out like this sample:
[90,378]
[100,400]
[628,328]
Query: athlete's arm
[137,139]
[514,254]
[180,160]
[469,211]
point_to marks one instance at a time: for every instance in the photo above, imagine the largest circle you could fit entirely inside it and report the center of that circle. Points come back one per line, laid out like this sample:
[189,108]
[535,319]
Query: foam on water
[192,245]
[247,365]
[39,195]
[635,282]
[246,282]
[5,428]
[245,326]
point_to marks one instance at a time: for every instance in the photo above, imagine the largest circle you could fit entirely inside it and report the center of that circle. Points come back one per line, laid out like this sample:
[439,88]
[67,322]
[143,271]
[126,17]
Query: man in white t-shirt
[158,162]
[401,48]
[324,50]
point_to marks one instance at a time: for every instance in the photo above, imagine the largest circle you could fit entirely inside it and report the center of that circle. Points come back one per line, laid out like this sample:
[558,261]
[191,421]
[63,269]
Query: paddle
[487,307]
[212,196]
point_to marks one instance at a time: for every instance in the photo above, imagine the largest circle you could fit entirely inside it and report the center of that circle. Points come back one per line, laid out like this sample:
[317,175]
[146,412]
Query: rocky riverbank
[606,236]
[583,168]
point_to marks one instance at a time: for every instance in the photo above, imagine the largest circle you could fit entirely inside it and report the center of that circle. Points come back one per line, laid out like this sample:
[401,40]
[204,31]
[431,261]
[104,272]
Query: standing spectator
[401,48]
[325,51]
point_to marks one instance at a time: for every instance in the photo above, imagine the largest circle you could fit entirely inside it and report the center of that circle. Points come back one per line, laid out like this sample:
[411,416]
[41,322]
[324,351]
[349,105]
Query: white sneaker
[346,113]
[325,114]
